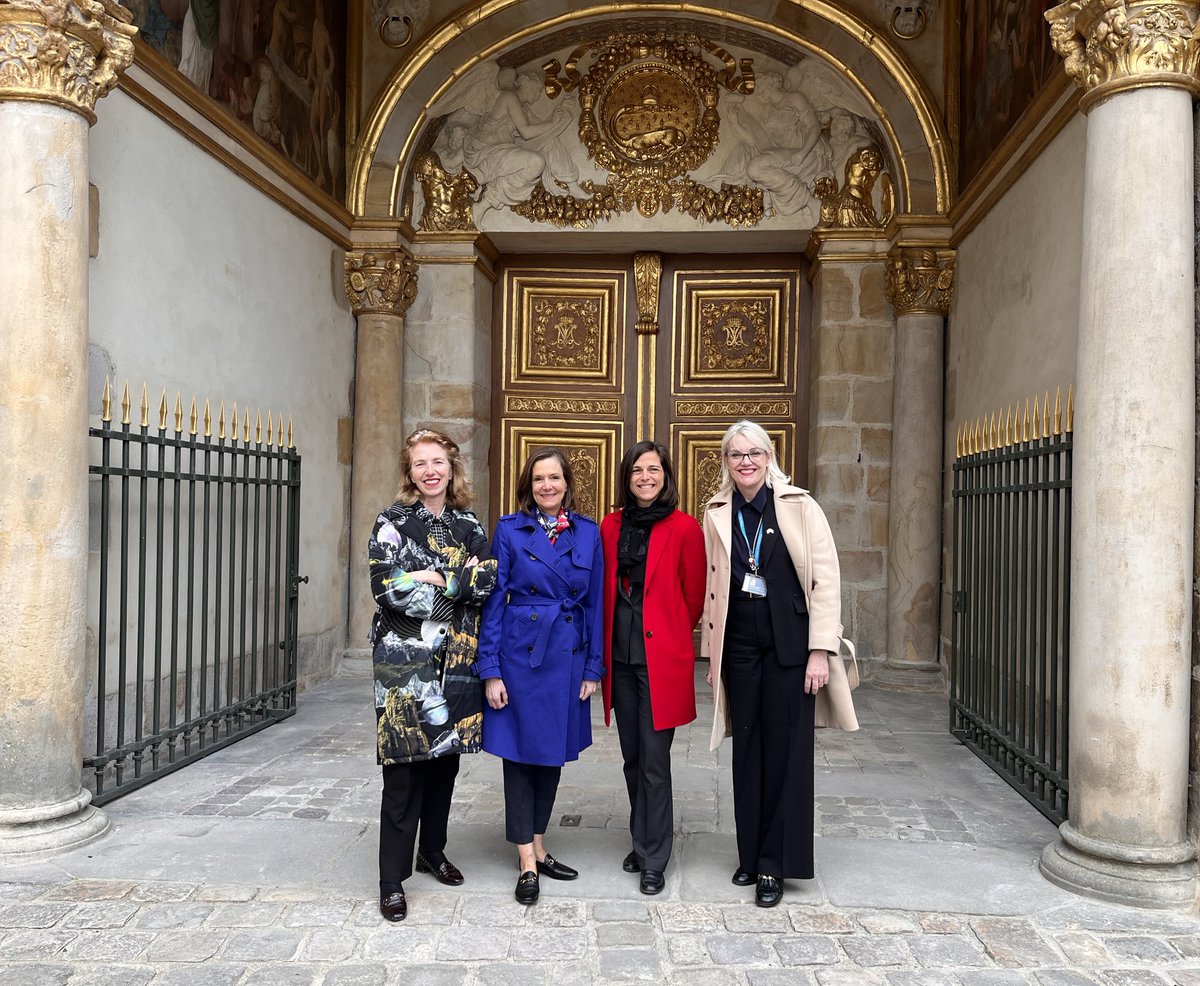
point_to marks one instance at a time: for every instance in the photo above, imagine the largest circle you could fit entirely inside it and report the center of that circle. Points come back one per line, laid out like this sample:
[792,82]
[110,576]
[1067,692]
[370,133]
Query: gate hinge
[959,601]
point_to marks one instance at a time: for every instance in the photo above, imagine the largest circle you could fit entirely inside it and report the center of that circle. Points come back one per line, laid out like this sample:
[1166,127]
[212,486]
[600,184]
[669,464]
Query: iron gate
[195,576]
[1011,597]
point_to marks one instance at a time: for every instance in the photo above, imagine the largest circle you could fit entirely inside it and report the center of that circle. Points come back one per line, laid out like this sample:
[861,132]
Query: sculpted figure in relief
[509,146]
[449,188]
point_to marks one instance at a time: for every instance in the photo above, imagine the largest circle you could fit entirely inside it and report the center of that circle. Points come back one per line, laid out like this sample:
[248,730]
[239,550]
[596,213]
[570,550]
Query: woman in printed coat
[540,654]
[653,595]
[431,570]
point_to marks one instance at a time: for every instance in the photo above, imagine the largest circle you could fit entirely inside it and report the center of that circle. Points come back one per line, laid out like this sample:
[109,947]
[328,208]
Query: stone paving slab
[257,866]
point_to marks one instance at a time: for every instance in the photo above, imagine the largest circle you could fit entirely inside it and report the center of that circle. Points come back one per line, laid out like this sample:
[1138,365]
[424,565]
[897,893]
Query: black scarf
[635,533]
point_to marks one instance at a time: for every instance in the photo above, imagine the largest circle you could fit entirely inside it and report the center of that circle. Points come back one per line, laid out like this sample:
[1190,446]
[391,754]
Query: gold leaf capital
[63,52]
[382,282]
[1112,45]
[920,281]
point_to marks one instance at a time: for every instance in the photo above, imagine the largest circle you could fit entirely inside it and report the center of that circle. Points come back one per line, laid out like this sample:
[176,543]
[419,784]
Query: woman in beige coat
[771,630]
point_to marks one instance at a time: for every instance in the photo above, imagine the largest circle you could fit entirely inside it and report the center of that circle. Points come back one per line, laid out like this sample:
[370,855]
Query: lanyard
[752,558]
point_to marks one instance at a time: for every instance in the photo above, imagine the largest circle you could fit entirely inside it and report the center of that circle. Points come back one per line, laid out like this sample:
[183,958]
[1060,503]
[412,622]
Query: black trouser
[772,720]
[647,755]
[529,792]
[413,794]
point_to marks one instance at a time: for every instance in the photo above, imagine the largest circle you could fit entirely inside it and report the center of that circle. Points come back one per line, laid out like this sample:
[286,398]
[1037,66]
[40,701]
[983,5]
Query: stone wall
[202,284]
[851,436]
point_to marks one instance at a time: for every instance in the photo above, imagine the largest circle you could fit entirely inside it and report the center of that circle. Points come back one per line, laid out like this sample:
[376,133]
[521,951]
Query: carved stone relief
[632,126]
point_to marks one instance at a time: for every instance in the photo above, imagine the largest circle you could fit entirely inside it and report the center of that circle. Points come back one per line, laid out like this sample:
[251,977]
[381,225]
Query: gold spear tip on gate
[125,405]
[258,429]
[106,401]
[178,412]
[233,422]
[145,408]
[1008,426]
[192,415]
[221,421]
[1070,408]
[1046,415]
[279,432]
[958,441]
[246,428]
[162,411]
[270,433]
[207,419]
[290,443]
[1025,423]
[1058,410]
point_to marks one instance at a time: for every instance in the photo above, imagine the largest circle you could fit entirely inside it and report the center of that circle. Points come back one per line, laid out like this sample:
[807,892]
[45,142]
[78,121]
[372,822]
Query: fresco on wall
[1006,61]
[276,65]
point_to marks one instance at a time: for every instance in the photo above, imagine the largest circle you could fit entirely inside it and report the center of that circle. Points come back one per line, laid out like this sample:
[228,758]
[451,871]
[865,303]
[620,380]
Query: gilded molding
[647,275]
[1112,45]
[61,52]
[561,405]
[919,281]
[380,282]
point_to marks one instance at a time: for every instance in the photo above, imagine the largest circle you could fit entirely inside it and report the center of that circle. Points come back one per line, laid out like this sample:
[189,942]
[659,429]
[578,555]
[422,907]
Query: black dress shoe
[652,882]
[394,907]
[741,878]
[769,891]
[444,872]
[527,888]
[630,863]
[552,868]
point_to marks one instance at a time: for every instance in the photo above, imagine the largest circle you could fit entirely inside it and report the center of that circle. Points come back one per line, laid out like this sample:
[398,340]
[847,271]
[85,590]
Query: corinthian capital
[63,52]
[919,282]
[382,282]
[1111,45]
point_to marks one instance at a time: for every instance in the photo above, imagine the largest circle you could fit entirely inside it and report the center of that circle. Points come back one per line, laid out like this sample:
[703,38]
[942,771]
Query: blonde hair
[458,493]
[758,435]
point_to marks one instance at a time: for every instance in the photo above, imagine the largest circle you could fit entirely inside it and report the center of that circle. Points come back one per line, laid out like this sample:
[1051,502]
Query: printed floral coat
[428,698]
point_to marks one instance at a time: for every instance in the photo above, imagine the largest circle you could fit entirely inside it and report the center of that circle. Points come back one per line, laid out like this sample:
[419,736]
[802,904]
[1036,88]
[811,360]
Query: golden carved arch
[434,51]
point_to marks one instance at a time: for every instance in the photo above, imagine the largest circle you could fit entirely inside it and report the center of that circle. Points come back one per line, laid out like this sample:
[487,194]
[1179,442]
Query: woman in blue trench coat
[540,654]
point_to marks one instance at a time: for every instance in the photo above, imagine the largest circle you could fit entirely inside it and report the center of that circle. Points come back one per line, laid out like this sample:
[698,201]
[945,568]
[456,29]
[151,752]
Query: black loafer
[630,863]
[652,881]
[769,891]
[741,878]
[394,907]
[445,871]
[552,868]
[527,888]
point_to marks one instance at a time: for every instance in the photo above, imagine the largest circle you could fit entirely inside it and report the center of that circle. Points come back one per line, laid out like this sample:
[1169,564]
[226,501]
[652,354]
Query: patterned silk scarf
[554,527]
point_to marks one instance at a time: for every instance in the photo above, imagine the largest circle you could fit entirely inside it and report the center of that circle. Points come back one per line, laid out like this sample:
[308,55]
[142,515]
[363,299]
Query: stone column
[1126,837]
[380,284]
[850,423]
[56,60]
[919,285]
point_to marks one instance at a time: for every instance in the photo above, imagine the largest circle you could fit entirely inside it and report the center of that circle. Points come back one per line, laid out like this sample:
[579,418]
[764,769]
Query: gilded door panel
[593,448]
[563,340]
[564,329]
[696,449]
[727,339]
[738,348]
[734,330]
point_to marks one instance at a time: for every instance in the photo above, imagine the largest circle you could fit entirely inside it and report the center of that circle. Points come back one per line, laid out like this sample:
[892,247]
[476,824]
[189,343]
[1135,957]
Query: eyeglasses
[755,455]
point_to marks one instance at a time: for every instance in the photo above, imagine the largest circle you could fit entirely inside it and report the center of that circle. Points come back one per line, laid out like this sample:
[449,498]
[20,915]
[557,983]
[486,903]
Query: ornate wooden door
[597,352]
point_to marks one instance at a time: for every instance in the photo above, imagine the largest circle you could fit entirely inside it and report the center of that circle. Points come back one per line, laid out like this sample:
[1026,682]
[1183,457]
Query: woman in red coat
[653,595]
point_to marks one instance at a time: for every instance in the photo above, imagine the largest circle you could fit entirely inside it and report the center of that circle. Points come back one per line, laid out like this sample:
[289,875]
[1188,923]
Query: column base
[45,829]
[1162,878]
[355,663]
[923,679]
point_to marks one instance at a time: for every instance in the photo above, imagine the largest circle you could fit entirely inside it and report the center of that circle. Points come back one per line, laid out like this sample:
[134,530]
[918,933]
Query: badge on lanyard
[753,584]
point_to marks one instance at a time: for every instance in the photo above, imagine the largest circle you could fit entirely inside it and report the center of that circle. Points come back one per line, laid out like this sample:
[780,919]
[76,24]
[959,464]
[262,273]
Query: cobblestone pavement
[256,866]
